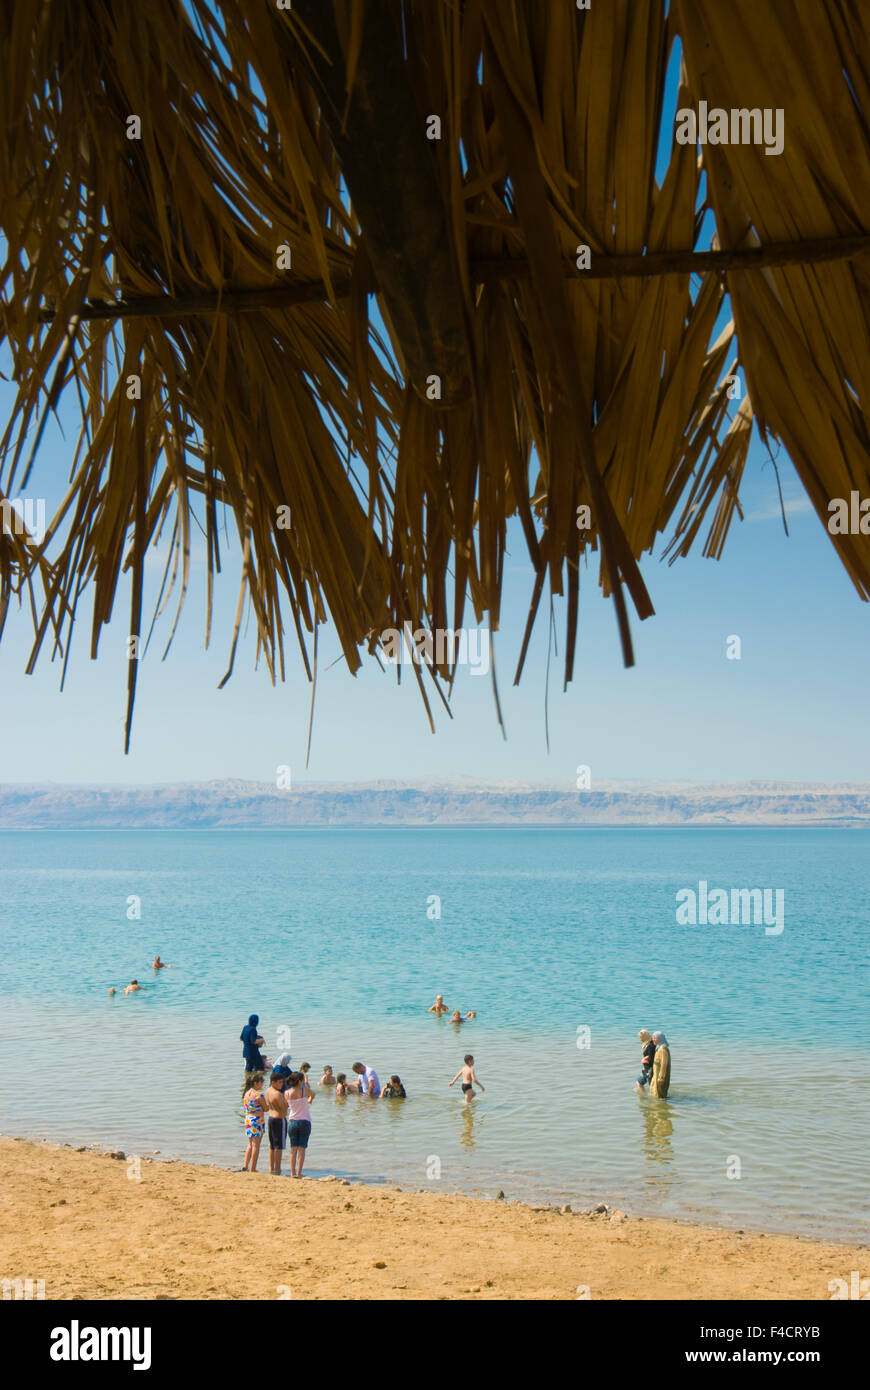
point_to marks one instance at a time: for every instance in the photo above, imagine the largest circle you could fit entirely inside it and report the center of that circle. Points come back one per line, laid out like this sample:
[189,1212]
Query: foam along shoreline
[95,1226]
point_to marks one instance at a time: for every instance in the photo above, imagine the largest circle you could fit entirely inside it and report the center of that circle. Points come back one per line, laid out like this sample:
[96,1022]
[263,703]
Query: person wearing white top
[368,1084]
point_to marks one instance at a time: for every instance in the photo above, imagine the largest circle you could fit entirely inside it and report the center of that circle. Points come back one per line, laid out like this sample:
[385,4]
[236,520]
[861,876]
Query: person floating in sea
[439,1007]
[299,1098]
[469,1080]
[255,1121]
[276,1105]
[368,1084]
[327,1079]
[158,964]
[661,1077]
[341,1084]
[394,1090]
[457,1017]
[132,987]
[112,989]
[647,1052]
[251,1044]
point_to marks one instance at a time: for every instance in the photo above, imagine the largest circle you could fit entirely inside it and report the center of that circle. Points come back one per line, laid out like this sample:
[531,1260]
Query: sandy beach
[77,1220]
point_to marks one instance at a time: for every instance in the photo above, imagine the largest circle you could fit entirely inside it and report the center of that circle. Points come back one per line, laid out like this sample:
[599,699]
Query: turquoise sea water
[554,936]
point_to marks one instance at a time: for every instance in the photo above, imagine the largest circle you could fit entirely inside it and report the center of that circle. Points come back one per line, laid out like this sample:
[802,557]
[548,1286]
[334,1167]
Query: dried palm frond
[433,360]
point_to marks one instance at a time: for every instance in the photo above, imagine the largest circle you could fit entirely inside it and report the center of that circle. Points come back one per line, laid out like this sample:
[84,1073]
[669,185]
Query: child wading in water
[255,1122]
[469,1080]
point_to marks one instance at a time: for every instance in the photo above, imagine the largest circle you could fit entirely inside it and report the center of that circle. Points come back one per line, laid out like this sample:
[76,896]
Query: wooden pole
[487,271]
[689,262]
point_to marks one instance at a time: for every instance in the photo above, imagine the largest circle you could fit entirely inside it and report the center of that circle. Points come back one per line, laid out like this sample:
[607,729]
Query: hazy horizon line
[427,782]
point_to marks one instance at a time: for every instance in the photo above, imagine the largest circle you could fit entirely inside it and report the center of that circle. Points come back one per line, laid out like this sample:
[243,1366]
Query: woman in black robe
[251,1040]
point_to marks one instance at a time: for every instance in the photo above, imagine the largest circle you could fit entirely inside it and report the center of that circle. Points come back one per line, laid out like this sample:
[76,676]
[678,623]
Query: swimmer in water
[112,989]
[132,987]
[328,1078]
[158,964]
[439,1007]
[457,1017]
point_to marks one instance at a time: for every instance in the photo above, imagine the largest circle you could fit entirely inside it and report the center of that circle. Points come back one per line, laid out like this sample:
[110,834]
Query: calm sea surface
[556,937]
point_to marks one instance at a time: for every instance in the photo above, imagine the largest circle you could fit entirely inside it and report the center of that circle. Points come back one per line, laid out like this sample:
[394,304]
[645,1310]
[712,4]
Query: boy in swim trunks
[469,1080]
[276,1105]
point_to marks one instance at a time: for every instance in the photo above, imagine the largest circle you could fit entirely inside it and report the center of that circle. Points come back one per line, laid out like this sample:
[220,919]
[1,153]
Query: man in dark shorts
[276,1104]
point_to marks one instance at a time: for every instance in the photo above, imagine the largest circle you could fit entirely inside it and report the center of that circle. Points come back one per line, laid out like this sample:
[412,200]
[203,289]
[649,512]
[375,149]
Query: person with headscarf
[661,1077]
[647,1053]
[251,1044]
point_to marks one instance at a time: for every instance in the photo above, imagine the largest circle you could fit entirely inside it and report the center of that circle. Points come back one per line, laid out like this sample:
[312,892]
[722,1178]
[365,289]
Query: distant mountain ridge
[243,804]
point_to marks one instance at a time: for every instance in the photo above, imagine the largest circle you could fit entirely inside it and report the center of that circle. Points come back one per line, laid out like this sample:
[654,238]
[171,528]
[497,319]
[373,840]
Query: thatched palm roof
[265,386]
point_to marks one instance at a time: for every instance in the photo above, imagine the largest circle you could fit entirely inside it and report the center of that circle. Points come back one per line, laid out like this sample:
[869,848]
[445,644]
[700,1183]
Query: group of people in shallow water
[655,1063]
[283,1109]
[439,1007]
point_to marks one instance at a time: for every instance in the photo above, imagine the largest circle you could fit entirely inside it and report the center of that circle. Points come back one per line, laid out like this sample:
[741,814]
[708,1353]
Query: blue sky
[793,707]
